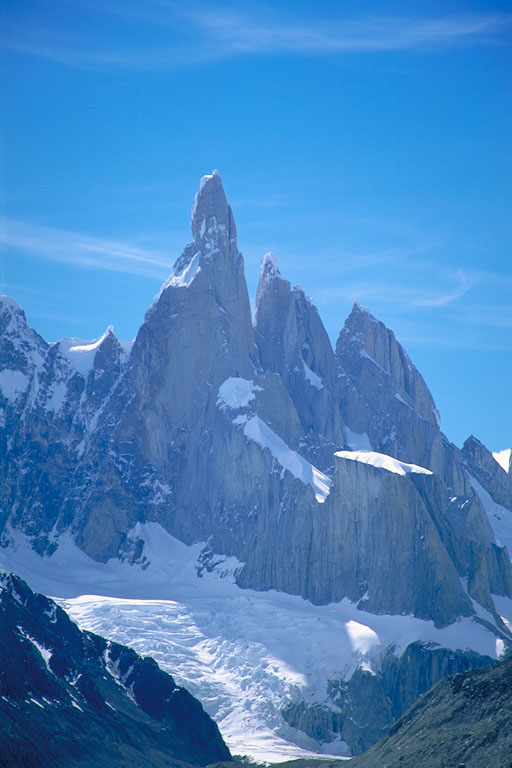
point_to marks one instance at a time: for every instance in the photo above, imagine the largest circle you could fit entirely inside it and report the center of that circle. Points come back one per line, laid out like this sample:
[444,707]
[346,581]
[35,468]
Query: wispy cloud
[441,299]
[243,34]
[195,34]
[84,250]
[402,292]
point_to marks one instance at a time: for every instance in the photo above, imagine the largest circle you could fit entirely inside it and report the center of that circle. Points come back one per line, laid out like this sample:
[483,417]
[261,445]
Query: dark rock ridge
[224,430]
[70,698]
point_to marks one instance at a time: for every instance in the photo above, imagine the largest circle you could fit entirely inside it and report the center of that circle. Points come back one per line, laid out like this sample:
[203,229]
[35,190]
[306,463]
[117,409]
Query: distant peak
[358,308]
[269,266]
[6,302]
[79,345]
[472,440]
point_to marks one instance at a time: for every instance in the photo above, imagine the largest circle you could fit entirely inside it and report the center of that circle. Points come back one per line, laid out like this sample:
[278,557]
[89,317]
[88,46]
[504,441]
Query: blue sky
[367,145]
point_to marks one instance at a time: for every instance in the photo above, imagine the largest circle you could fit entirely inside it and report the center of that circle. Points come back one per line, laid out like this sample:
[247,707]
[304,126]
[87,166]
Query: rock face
[72,698]
[390,402]
[224,430]
[482,465]
[293,343]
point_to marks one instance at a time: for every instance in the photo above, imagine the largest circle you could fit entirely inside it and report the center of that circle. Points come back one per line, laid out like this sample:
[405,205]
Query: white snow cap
[205,181]
[80,353]
[503,458]
[211,215]
[383,461]
[7,302]
[269,265]
[362,309]
[208,177]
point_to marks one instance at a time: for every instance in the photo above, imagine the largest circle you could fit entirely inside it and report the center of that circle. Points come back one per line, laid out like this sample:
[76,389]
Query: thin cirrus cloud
[241,34]
[195,35]
[78,249]
[441,299]
[405,295]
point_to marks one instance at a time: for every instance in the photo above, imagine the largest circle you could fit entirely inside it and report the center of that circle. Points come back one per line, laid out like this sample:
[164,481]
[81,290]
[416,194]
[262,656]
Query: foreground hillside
[70,698]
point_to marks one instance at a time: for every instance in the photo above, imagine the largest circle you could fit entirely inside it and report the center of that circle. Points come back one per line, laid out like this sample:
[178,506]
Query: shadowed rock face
[72,698]
[225,431]
[363,708]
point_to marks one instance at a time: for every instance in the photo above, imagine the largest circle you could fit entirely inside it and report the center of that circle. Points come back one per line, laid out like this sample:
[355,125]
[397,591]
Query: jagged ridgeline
[324,471]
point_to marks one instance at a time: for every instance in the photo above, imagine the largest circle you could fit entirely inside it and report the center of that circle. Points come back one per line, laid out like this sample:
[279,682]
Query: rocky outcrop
[359,713]
[390,402]
[293,343]
[482,465]
[393,543]
[72,698]
[103,437]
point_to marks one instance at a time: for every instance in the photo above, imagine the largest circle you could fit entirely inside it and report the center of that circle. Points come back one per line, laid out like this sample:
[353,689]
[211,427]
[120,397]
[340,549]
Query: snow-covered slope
[244,654]
[504,458]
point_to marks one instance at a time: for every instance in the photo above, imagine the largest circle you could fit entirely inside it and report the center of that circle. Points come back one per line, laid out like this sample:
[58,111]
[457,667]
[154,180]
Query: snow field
[243,653]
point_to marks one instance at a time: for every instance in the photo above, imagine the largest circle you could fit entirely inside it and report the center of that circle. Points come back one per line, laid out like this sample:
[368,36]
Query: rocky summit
[322,470]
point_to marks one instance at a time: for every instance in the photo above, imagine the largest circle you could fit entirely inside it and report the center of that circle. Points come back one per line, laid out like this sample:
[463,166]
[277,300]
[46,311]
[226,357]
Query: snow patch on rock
[257,430]
[383,461]
[236,392]
[500,517]
[13,383]
[313,378]
[358,441]
[503,458]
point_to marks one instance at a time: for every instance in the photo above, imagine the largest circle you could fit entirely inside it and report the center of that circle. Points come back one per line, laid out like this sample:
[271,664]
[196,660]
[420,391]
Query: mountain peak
[11,311]
[359,309]
[366,341]
[8,303]
[269,267]
[212,218]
